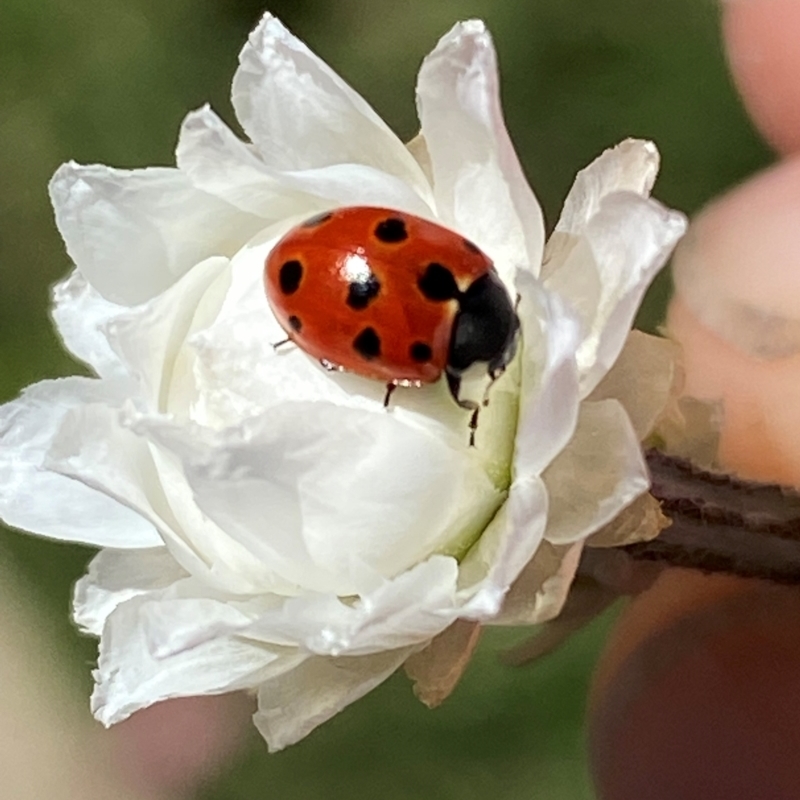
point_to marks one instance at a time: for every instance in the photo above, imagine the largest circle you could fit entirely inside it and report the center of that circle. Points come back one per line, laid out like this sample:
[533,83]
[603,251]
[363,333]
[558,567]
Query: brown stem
[719,524]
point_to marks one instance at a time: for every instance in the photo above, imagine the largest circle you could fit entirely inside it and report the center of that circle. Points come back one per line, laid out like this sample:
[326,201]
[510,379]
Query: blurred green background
[110,80]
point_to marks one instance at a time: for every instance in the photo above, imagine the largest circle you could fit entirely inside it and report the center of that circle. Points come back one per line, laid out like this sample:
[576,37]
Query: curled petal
[410,609]
[479,183]
[539,593]
[505,547]
[133,233]
[640,521]
[292,704]
[596,476]
[301,115]
[81,314]
[606,271]
[149,339]
[37,498]
[129,677]
[217,162]
[549,396]
[631,166]
[643,379]
[437,669]
[116,576]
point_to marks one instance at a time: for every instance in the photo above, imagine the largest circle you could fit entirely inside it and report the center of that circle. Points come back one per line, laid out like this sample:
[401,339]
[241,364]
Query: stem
[720,523]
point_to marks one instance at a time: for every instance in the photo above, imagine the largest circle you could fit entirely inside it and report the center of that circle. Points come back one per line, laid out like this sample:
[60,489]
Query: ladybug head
[486,328]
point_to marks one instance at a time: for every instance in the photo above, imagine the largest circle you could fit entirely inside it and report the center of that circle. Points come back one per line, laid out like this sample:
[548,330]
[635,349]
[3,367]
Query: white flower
[267,524]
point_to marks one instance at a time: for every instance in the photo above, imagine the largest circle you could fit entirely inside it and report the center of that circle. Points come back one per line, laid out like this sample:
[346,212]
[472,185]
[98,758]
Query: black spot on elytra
[361,293]
[295,323]
[391,230]
[317,219]
[472,247]
[290,275]
[367,344]
[420,352]
[437,283]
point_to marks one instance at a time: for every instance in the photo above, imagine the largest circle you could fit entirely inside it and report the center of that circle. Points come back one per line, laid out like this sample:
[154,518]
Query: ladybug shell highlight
[378,292]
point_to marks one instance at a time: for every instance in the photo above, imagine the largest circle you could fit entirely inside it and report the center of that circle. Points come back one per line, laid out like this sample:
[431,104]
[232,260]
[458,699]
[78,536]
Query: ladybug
[391,296]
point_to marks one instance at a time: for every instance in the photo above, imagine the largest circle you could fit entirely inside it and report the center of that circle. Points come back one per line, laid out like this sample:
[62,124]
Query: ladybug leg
[494,374]
[390,387]
[281,343]
[454,385]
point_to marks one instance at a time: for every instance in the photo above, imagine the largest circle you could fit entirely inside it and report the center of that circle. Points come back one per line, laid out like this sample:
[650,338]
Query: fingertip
[736,312]
[761,38]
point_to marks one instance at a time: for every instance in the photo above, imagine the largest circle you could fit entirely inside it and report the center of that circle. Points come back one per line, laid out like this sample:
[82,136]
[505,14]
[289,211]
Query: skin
[698,692]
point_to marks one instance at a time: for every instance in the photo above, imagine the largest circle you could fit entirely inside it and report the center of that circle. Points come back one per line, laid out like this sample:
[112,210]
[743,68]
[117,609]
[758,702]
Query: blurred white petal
[291,705]
[600,472]
[643,379]
[539,593]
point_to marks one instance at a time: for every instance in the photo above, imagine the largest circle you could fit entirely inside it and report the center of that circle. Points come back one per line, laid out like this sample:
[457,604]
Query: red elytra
[391,296]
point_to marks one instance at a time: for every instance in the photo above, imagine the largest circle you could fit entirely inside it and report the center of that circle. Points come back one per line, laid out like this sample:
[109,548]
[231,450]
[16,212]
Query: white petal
[606,272]
[410,609]
[437,669]
[187,614]
[480,187]
[129,677]
[301,115]
[36,499]
[596,476]
[116,576]
[80,314]
[291,705]
[133,233]
[539,593]
[505,547]
[329,496]
[96,447]
[549,392]
[643,379]
[219,163]
[361,185]
[631,166]
[149,338]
